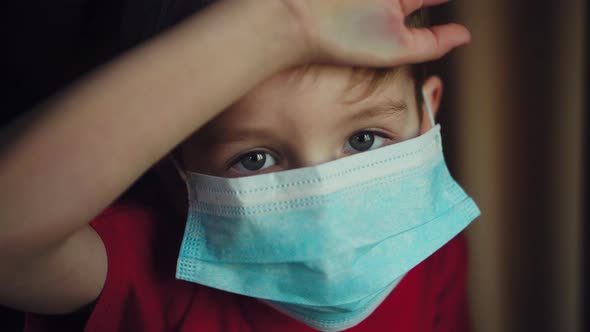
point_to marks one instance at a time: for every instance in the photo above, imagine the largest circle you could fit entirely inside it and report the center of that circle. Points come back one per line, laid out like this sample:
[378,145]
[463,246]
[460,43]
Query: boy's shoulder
[140,218]
[141,239]
[128,216]
[142,235]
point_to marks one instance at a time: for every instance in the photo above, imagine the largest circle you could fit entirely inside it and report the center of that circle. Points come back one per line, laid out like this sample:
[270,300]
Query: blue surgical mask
[325,244]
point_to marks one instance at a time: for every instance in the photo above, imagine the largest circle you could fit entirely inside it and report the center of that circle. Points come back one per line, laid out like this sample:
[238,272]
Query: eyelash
[239,158]
[235,160]
[376,133]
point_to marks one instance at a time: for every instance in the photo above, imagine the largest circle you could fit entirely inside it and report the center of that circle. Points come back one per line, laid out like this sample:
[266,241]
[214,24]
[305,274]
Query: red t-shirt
[142,294]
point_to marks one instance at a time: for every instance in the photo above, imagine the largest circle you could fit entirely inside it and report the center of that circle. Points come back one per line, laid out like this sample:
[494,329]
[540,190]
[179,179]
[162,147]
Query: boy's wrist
[280,32]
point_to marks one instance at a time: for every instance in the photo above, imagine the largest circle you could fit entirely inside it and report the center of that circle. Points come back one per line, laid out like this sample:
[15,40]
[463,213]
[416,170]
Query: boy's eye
[253,162]
[364,141]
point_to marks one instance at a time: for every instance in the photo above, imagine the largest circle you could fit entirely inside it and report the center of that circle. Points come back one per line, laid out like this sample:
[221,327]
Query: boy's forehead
[325,87]
[352,84]
[319,94]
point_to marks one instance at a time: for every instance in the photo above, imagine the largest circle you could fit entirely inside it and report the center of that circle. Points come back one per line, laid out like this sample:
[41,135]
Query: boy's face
[292,121]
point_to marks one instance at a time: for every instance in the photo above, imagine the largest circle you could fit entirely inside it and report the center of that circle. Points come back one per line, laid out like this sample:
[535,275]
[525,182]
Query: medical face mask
[325,244]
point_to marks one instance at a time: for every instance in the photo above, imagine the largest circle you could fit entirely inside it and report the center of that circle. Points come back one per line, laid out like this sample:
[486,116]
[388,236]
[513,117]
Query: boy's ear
[432,89]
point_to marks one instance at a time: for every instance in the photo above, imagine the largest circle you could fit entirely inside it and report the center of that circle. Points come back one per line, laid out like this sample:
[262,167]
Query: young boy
[124,264]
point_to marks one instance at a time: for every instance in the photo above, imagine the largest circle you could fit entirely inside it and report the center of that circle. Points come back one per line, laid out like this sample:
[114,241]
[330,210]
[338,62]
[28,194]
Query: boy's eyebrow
[238,135]
[390,108]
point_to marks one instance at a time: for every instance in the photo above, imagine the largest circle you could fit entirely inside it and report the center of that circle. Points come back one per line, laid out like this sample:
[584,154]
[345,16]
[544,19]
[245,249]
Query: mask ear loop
[178,167]
[429,109]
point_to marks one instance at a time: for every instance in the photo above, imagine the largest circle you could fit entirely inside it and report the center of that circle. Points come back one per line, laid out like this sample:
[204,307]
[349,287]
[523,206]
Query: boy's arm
[85,147]
[81,149]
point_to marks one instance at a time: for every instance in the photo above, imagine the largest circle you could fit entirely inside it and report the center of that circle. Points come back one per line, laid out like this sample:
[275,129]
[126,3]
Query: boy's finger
[432,43]
[410,6]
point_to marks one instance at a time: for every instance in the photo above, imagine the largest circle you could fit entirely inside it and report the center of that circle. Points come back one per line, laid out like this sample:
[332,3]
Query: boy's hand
[370,32]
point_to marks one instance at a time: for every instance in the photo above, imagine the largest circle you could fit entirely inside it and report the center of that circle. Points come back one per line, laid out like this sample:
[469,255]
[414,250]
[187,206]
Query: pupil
[254,161]
[362,141]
